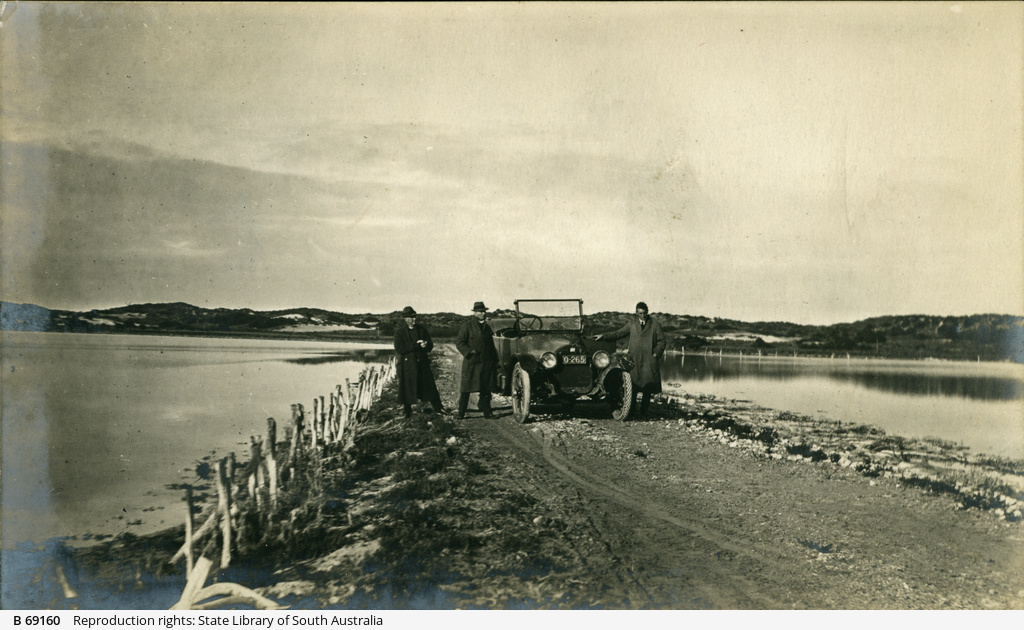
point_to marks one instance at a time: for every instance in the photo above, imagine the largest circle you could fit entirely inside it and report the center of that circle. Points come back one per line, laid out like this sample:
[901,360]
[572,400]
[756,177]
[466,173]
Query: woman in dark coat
[646,347]
[415,379]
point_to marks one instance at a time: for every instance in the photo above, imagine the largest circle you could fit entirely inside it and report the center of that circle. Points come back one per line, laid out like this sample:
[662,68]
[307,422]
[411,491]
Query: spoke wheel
[520,394]
[622,400]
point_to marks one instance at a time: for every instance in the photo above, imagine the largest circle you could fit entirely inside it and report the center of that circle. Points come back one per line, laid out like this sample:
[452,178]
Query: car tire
[621,401]
[520,394]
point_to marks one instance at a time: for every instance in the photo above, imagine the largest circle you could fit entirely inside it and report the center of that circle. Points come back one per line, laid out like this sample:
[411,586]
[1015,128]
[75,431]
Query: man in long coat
[475,343]
[646,347]
[415,380]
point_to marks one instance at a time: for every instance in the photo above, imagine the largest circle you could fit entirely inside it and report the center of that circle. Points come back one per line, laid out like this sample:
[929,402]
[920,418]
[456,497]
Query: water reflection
[913,378]
[100,431]
[364,356]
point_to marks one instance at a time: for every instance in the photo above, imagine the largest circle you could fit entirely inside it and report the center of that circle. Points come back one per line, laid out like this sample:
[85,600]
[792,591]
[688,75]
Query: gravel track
[680,519]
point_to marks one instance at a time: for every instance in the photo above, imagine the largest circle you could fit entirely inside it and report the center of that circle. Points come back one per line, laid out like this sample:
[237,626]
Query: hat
[642,305]
[479,306]
[408,312]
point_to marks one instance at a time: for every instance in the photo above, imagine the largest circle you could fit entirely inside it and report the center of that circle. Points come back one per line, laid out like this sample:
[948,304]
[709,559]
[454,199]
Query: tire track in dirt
[513,442]
[687,522]
[642,533]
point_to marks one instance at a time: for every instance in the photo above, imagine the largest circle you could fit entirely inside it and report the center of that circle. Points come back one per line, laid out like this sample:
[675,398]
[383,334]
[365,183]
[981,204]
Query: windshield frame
[579,317]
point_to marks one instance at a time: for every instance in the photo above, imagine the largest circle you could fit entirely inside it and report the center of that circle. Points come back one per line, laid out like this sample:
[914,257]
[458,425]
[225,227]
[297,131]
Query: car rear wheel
[520,394]
[621,398]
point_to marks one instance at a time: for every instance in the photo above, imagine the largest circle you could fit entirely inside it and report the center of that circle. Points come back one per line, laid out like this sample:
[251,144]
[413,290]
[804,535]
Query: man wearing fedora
[415,379]
[475,343]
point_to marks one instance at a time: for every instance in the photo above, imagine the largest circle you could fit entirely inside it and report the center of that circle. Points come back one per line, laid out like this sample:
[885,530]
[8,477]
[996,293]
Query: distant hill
[987,337]
[181,318]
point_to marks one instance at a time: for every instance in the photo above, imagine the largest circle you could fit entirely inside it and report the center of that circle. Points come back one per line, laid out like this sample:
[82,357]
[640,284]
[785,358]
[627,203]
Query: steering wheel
[530,322]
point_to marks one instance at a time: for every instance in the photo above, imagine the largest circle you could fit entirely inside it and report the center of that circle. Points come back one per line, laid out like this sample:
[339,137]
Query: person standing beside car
[646,347]
[415,379]
[475,343]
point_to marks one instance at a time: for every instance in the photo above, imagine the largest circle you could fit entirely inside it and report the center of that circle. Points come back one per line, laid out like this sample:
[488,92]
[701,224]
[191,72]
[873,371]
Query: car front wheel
[621,398]
[520,394]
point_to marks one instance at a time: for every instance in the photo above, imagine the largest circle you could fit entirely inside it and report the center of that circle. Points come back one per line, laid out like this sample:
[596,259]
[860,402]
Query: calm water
[979,405]
[97,427]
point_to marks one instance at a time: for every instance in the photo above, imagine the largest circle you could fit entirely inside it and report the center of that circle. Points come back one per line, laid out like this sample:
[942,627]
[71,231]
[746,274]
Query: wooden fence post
[253,491]
[342,412]
[188,530]
[331,406]
[271,461]
[224,504]
[196,579]
[256,449]
[349,399]
[313,437]
[271,436]
[256,477]
[297,421]
[321,420]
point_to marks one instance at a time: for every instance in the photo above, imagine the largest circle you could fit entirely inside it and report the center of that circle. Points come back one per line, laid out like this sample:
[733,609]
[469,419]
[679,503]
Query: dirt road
[664,515]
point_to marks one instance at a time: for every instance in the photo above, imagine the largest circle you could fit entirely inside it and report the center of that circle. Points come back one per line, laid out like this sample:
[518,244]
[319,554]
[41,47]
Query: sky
[806,162]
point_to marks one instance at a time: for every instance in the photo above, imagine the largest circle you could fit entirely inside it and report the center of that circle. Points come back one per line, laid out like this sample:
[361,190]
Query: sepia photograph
[349,309]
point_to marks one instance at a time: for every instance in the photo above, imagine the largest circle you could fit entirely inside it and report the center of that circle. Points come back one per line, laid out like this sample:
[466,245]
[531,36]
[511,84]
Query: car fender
[599,387]
[623,362]
[529,363]
[599,381]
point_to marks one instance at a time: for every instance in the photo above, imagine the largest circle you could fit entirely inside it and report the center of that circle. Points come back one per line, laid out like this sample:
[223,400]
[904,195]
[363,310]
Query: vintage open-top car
[545,355]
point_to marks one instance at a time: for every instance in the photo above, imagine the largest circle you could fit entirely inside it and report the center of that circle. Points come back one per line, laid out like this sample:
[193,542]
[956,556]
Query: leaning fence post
[196,579]
[359,392]
[349,400]
[342,412]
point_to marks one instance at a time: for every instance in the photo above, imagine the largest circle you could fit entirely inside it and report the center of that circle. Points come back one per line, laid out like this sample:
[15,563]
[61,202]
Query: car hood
[538,344]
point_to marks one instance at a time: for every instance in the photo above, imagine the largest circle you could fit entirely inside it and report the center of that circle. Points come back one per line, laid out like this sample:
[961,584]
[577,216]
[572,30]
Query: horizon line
[387,313]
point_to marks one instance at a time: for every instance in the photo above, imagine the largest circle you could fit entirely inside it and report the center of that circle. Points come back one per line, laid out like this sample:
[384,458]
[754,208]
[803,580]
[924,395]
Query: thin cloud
[803,161]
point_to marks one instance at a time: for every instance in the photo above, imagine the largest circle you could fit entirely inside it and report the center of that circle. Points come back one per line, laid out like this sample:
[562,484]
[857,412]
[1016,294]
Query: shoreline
[373,336]
[310,337]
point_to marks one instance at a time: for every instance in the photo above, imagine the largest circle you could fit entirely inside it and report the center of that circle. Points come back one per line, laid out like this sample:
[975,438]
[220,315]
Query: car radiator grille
[573,376]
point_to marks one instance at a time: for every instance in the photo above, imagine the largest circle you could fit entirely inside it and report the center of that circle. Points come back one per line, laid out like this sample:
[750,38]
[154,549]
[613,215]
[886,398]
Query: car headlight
[601,359]
[548,361]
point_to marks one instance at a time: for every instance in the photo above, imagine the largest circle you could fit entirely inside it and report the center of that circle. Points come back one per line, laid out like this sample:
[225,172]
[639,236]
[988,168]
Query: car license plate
[575,359]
